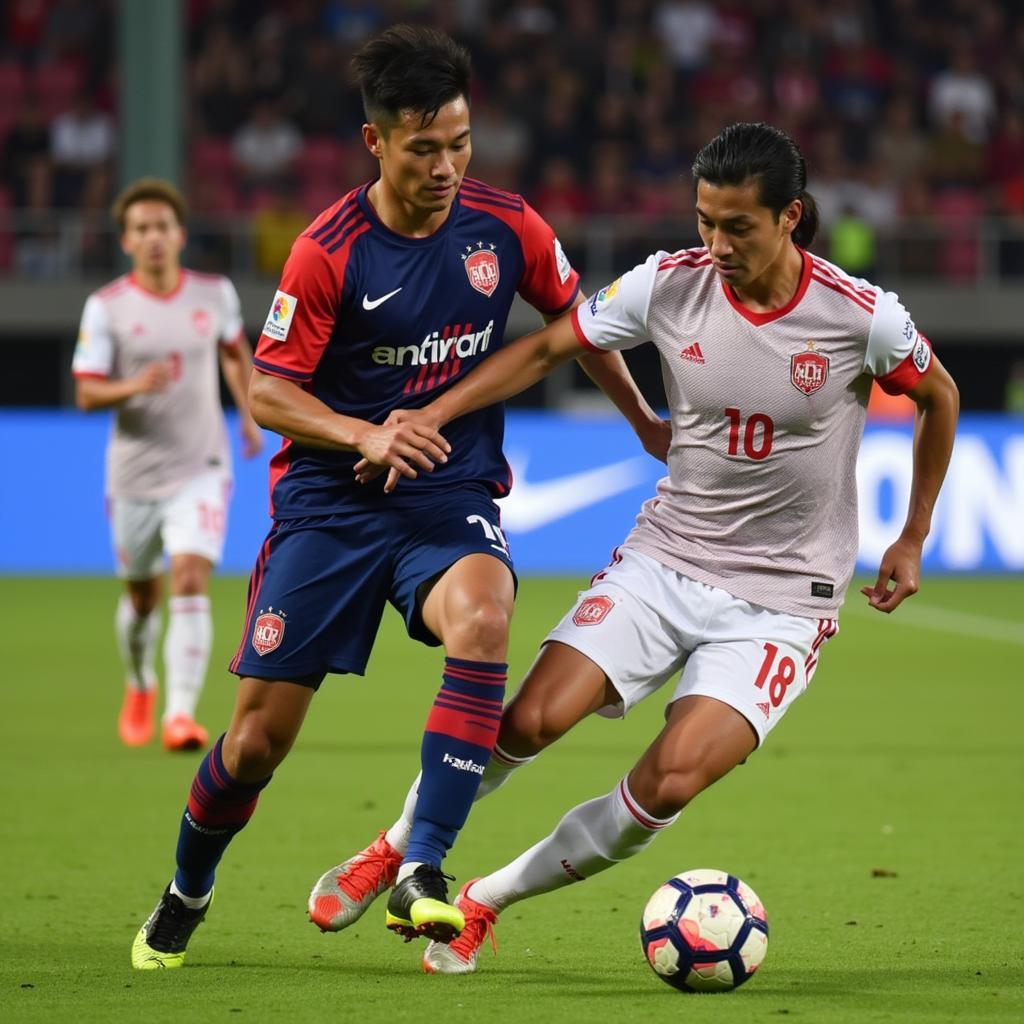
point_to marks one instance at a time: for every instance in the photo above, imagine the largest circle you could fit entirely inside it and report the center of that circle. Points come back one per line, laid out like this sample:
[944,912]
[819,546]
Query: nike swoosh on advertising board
[369,303]
[532,505]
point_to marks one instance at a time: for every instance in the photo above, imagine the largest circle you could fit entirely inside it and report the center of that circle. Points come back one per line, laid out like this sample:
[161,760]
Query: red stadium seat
[959,212]
[56,83]
[316,196]
[322,159]
[210,156]
[12,82]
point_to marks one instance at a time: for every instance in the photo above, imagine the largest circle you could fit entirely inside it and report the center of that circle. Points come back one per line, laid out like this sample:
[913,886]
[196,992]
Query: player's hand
[365,470]
[656,437]
[154,377]
[400,447]
[252,437]
[901,566]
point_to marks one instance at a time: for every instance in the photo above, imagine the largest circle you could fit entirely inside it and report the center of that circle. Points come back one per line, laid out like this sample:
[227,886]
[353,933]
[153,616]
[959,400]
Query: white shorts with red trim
[192,521]
[642,623]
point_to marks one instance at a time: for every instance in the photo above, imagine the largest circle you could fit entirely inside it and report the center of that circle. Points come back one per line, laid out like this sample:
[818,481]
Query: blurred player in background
[733,576]
[148,348]
[389,297]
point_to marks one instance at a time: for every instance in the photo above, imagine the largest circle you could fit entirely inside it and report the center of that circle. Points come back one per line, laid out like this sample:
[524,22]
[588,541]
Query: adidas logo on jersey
[693,353]
[436,347]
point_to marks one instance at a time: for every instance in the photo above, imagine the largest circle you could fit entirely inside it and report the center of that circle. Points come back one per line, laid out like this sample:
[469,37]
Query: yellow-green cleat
[419,905]
[161,942]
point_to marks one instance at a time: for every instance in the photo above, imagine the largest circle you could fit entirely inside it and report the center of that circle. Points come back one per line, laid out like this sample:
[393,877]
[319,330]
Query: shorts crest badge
[593,610]
[268,632]
[808,370]
[481,263]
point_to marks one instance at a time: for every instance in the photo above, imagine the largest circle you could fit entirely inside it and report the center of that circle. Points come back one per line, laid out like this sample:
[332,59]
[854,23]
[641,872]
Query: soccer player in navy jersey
[390,296]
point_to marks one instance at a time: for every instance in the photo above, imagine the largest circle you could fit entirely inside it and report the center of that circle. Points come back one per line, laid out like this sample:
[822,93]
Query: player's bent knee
[526,729]
[482,632]
[251,751]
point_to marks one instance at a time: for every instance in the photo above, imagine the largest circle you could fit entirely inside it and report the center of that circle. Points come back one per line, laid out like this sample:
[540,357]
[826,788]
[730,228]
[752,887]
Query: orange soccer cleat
[459,955]
[343,894]
[183,733]
[135,722]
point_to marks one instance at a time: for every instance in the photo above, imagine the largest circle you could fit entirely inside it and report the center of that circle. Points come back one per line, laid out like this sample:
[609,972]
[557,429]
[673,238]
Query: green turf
[905,757]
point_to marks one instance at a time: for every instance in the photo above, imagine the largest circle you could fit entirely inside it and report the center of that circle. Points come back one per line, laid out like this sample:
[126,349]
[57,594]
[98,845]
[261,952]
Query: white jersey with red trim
[767,411]
[162,439]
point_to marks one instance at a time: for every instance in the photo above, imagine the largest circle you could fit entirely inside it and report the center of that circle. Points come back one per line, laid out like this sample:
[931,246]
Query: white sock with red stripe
[496,774]
[590,838]
[187,653]
[136,639]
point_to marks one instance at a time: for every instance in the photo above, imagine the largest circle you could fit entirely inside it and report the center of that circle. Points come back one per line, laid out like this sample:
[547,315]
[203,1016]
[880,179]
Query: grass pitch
[881,824]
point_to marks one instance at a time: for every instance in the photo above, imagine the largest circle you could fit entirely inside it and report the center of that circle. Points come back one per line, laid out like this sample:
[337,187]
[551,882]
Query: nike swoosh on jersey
[369,303]
[533,505]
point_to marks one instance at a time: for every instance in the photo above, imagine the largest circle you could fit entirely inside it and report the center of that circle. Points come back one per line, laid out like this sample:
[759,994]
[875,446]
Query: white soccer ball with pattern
[704,931]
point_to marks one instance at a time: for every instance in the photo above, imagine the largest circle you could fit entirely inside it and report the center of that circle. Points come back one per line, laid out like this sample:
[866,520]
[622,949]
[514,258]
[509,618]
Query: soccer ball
[704,931]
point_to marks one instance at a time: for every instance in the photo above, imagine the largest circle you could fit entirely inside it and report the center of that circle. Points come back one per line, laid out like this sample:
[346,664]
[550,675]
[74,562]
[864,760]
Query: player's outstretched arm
[609,372]
[236,365]
[93,393]
[513,369]
[938,406]
[284,407]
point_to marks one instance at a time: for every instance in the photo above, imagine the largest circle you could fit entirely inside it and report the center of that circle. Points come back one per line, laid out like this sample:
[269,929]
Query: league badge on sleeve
[808,370]
[482,267]
[922,354]
[279,320]
[562,262]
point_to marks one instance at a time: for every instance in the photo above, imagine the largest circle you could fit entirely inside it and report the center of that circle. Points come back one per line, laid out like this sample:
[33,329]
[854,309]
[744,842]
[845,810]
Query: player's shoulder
[683,260]
[473,190]
[112,289]
[203,281]
[338,224]
[856,290]
[480,198]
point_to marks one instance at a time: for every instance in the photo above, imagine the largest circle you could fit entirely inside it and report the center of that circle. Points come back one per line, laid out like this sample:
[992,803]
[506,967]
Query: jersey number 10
[757,434]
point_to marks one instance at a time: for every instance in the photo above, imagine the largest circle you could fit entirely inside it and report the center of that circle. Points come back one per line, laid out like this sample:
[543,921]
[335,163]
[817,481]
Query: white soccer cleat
[459,955]
[343,894]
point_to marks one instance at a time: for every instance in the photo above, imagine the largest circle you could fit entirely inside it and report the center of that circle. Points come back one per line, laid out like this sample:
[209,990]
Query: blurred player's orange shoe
[343,894]
[183,733]
[459,955]
[135,722]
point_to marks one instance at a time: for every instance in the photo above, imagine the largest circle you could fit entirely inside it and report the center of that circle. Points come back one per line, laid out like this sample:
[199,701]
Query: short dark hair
[760,151]
[410,67]
[153,189]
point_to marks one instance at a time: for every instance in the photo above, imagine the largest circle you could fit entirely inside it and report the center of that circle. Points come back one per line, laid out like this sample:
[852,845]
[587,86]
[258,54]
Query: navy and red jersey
[368,321]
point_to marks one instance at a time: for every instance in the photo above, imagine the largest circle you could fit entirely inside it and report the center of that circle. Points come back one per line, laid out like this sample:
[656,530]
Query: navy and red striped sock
[457,743]
[218,809]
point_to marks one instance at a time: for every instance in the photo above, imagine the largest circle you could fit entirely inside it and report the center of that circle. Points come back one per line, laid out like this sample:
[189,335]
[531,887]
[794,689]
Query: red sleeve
[549,282]
[906,375]
[304,310]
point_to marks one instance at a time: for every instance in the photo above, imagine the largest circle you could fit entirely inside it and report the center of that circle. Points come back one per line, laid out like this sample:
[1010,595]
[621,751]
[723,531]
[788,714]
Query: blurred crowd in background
[909,112]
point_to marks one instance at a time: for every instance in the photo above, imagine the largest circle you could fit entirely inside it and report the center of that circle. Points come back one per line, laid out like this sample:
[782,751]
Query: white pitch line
[946,621]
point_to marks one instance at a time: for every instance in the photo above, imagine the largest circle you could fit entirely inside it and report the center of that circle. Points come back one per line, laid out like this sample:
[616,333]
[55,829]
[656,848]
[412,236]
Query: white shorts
[191,522]
[642,622]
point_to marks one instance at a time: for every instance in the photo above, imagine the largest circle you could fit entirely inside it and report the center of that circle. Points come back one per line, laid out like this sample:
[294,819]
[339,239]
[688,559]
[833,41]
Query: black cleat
[419,905]
[162,939]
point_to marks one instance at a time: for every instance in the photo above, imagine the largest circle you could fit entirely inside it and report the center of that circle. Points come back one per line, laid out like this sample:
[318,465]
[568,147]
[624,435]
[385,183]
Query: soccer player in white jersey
[732,578]
[148,347]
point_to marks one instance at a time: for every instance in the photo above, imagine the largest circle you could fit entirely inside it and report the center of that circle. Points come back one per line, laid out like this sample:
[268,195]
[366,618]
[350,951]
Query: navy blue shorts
[320,584]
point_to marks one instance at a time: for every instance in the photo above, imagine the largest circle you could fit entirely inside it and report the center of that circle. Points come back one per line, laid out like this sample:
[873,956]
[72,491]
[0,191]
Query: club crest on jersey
[593,610]
[808,370]
[201,321]
[268,632]
[482,267]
